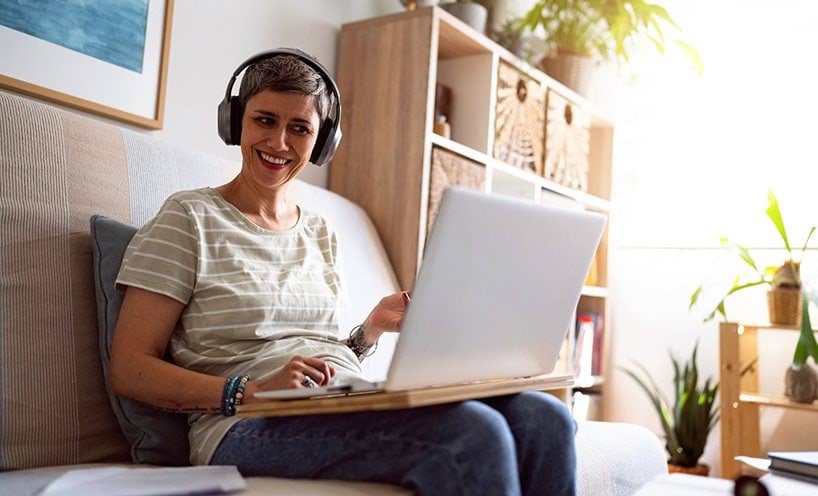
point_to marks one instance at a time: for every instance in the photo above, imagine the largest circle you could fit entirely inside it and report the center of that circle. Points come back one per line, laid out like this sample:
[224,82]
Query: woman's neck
[268,209]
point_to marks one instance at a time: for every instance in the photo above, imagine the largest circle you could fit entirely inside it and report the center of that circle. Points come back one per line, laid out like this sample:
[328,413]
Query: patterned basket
[519,124]
[567,142]
[449,169]
[784,306]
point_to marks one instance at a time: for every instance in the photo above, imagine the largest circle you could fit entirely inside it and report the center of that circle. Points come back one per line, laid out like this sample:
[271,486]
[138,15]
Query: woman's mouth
[272,162]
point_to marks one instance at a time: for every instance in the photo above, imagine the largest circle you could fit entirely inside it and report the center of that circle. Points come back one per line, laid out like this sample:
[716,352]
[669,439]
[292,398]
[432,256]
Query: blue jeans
[510,445]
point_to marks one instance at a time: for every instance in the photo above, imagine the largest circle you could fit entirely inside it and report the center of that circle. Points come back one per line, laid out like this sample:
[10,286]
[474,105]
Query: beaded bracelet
[232,394]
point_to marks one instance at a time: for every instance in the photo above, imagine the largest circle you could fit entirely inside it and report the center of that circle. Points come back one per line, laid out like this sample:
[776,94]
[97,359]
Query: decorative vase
[801,385]
[471,13]
[784,306]
[571,69]
[700,469]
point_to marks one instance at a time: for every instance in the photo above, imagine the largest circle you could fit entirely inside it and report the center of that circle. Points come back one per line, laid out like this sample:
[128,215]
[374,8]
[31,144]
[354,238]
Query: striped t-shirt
[254,298]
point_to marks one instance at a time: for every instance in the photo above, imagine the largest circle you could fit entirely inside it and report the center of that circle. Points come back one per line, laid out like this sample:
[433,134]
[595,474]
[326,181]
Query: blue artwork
[109,30]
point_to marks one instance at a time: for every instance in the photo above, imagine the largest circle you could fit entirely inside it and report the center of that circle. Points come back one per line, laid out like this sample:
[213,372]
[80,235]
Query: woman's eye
[265,121]
[301,129]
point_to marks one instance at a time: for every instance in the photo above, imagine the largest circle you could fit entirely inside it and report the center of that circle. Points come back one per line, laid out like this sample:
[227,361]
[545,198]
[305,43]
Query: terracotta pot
[700,469]
[784,306]
[570,69]
[801,386]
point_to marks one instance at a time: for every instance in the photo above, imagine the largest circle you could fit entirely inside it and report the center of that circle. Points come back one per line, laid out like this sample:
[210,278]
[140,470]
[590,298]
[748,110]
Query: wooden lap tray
[394,400]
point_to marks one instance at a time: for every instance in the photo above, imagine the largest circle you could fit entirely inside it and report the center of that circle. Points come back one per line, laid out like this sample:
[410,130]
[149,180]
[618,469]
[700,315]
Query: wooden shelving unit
[390,160]
[740,397]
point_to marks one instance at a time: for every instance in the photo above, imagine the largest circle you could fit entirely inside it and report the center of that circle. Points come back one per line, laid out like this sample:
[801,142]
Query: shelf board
[588,382]
[463,150]
[776,401]
[589,200]
[596,291]
[458,39]
[766,326]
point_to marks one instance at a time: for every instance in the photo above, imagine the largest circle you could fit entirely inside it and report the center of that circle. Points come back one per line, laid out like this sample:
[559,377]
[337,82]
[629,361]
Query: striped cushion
[56,170]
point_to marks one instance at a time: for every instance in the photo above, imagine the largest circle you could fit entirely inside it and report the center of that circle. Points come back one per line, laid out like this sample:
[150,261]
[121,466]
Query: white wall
[693,160]
[210,38]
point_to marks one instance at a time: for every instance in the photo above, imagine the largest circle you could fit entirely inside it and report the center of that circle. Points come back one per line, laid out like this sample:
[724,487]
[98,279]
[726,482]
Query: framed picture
[105,57]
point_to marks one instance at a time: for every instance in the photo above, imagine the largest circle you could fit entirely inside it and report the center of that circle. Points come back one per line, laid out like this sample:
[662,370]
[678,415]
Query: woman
[253,282]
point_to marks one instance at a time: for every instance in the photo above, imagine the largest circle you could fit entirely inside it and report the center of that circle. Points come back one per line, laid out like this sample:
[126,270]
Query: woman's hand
[292,376]
[387,316]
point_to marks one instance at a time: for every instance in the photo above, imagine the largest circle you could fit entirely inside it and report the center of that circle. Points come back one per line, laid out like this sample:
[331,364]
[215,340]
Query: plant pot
[414,4]
[801,385]
[471,13]
[700,469]
[571,69]
[784,306]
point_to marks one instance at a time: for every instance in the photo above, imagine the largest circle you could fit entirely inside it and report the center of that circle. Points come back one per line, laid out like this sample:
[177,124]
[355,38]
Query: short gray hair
[285,73]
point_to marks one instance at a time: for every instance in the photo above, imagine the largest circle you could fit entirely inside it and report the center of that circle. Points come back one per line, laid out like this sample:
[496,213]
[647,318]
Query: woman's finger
[322,367]
[313,373]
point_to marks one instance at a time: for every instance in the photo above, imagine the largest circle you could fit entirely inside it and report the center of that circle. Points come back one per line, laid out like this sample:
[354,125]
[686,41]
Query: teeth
[271,159]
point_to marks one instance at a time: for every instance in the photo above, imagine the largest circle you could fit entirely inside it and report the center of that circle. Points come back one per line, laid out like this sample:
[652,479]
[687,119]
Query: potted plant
[784,296]
[801,381]
[579,33]
[688,421]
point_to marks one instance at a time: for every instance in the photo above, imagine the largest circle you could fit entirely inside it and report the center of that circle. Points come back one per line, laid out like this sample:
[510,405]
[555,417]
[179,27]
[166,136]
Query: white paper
[762,464]
[122,481]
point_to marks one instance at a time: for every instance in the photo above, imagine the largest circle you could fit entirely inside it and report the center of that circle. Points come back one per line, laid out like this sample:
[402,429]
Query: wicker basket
[567,142]
[519,124]
[574,71]
[784,306]
[449,169]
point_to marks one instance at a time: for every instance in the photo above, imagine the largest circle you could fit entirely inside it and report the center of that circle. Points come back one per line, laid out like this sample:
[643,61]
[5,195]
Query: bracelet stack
[232,394]
[357,344]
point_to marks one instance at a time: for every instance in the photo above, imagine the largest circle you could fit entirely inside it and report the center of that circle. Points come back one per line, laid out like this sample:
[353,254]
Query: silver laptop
[494,298]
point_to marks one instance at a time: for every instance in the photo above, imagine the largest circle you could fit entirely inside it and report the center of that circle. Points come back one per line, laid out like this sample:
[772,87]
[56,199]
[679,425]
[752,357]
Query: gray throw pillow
[156,437]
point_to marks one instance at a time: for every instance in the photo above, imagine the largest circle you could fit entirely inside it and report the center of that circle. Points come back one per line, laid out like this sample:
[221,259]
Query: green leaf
[774,213]
[743,252]
[694,298]
[692,55]
[806,242]
[807,346]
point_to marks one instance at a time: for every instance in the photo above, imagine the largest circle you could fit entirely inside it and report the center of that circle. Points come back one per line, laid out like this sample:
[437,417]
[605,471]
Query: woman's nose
[277,139]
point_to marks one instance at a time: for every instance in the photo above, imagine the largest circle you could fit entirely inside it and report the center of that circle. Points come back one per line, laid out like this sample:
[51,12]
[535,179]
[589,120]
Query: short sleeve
[163,256]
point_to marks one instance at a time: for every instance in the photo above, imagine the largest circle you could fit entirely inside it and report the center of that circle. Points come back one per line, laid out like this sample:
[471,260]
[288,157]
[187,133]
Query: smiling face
[278,134]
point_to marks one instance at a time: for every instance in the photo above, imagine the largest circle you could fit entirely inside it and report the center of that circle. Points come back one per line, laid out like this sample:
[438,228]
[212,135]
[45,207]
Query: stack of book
[802,465]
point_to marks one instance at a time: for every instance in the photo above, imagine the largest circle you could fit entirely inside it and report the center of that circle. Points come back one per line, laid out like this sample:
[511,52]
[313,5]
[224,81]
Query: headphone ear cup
[317,155]
[236,113]
[329,138]
[223,117]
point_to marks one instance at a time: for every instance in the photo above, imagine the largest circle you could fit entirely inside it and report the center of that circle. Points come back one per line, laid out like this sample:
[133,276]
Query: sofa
[57,169]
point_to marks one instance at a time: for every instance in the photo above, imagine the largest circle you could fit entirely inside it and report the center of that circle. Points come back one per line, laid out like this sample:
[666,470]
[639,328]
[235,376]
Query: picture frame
[56,58]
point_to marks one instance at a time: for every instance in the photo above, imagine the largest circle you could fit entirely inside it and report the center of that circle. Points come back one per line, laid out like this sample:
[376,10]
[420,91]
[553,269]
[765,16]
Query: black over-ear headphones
[329,132]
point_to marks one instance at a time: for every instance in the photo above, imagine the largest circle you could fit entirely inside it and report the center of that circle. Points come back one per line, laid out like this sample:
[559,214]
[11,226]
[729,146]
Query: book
[589,335]
[800,463]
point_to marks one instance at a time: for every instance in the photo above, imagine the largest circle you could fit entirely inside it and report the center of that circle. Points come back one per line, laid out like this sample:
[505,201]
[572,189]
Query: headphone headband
[329,134]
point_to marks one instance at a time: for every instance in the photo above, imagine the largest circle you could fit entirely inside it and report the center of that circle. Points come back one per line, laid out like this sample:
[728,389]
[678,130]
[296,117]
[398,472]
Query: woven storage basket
[449,169]
[567,142]
[574,71]
[519,124]
[784,306]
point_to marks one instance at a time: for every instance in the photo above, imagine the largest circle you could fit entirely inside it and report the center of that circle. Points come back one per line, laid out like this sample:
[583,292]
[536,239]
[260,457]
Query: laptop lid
[496,291]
